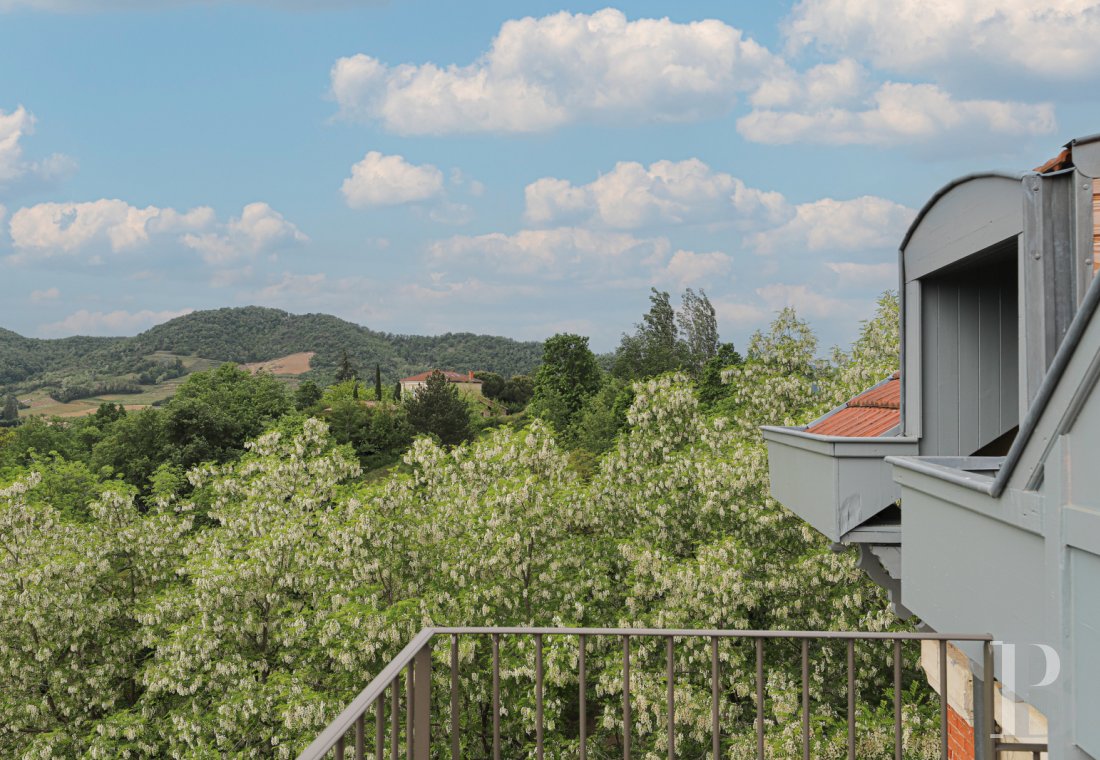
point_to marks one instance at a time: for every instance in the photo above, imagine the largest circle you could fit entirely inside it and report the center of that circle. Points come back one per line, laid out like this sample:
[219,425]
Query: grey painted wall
[969,356]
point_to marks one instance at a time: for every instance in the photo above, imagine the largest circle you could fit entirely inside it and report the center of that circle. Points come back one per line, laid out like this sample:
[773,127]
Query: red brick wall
[960,737]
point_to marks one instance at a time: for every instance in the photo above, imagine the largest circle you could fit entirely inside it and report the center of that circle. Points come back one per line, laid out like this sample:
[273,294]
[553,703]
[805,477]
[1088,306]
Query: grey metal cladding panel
[865,488]
[969,355]
[930,341]
[1083,222]
[805,482]
[1084,448]
[989,361]
[946,370]
[1073,386]
[1085,614]
[969,360]
[910,377]
[1010,351]
[1031,285]
[964,571]
[968,218]
[1059,237]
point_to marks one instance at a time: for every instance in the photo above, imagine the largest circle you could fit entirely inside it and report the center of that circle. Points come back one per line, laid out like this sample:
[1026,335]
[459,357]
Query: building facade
[467,384]
[970,481]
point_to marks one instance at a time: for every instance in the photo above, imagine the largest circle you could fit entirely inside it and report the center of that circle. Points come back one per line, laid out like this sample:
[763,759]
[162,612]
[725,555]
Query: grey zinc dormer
[996,458]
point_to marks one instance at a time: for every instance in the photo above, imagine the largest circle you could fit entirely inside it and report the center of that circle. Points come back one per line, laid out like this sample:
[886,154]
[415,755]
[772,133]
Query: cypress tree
[377,382]
[346,371]
[10,414]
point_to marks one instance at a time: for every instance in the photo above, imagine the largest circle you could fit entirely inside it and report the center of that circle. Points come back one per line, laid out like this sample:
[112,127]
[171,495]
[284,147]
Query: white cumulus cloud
[258,229]
[542,73]
[1053,40]
[803,299]
[738,313]
[552,253]
[15,169]
[119,322]
[827,224]
[898,114]
[666,192]
[93,228]
[689,267]
[380,180]
[49,229]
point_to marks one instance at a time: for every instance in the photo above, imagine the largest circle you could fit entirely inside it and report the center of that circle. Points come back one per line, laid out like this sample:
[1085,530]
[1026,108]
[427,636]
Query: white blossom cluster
[237,617]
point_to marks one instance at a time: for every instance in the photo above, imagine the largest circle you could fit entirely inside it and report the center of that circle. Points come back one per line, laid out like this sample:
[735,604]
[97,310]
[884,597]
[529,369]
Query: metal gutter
[948,188]
[964,478]
[800,432]
[1050,383]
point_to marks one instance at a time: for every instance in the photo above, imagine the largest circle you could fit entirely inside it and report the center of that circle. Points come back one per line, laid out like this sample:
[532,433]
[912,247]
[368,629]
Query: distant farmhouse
[467,384]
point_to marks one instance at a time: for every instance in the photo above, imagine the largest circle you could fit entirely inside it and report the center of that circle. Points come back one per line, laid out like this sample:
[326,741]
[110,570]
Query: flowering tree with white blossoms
[237,620]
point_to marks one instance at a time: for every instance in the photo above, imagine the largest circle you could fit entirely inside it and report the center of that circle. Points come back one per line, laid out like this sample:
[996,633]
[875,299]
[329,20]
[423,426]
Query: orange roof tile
[870,414]
[1063,160]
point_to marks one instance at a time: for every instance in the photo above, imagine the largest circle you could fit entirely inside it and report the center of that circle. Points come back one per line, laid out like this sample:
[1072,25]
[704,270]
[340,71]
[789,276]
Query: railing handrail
[378,685]
[716,633]
[345,720]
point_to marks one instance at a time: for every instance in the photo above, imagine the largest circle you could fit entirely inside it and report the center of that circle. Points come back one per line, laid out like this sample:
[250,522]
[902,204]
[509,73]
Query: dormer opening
[970,353]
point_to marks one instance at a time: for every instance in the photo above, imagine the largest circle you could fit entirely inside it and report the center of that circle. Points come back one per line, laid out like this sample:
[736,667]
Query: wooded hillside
[251,334]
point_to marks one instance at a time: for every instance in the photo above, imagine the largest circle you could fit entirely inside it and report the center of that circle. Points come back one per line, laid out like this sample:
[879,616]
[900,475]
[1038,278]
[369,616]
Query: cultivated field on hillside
[291,364]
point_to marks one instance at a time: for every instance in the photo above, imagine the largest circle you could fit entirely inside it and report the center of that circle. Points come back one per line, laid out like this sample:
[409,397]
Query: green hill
[248,334]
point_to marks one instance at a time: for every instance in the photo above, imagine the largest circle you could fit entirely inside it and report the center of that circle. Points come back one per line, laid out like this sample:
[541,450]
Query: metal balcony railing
[350,731]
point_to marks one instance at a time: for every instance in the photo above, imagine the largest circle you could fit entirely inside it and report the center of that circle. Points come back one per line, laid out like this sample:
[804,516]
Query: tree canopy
[437,409]
[235,609]
[569,374]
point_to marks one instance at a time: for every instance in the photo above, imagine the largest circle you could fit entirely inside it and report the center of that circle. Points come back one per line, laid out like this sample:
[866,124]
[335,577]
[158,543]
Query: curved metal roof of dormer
[972,213]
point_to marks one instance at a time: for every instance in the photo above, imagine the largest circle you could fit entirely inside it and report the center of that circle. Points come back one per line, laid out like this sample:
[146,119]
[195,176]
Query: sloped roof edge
[938,195]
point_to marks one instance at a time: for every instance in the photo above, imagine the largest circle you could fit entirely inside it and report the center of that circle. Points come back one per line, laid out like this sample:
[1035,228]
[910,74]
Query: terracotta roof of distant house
[1063,160]
[454,377]
[870,414]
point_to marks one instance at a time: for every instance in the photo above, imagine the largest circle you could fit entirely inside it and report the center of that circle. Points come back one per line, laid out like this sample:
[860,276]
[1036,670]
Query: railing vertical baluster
[943,699]
[805,699]
[851,699]
[988,677]
[898,743]
[395,720]
[422,705]
[760,698]
[456,741]
[339,748]
[410,719]
[671,678]
[360,738]
[496,696]
[583,712]
[626,698]
[380,727]
[538,696]
[715,730]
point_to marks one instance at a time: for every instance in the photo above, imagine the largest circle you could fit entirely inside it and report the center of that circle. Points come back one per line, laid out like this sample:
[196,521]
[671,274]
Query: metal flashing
[948,188]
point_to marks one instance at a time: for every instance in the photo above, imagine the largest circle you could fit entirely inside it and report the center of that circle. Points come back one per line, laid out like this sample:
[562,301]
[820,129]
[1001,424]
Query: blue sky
[509,168]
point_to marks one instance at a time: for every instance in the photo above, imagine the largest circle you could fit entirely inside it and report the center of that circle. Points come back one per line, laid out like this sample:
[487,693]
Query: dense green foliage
[568,376]
[666,340]
[249,334]
[232,610]
[437,409]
